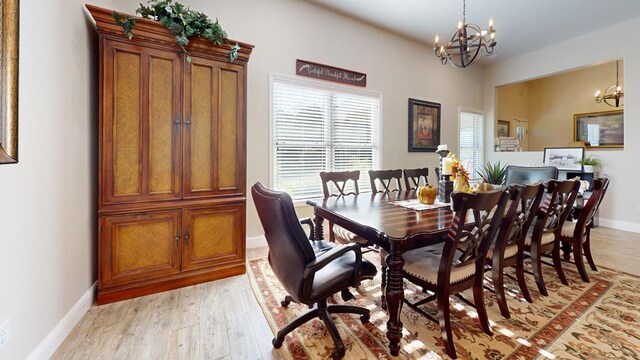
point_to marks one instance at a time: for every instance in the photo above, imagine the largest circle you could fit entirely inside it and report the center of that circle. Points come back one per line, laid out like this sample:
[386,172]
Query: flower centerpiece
[460,175]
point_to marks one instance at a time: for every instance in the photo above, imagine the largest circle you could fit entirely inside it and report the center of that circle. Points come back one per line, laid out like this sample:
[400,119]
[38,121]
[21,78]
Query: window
[471,141]
[318,127]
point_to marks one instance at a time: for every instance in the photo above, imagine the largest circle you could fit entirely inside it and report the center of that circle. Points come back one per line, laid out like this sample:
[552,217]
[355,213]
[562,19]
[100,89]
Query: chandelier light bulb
[598,93]
[437,40]
[490,23]
[459,25]
[618,88]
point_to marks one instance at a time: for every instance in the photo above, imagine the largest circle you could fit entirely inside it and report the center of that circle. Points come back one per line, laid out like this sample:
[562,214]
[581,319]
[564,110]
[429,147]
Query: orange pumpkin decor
[426,194]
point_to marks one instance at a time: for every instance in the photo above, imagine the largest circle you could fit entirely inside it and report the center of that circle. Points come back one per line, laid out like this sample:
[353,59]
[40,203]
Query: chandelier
[613,95]
[466,43]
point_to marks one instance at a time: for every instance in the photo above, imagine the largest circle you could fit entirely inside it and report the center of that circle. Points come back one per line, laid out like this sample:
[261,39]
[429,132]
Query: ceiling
[521,26]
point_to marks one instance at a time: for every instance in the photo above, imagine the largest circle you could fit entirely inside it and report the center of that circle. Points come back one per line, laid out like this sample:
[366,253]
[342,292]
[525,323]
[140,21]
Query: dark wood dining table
[394,228]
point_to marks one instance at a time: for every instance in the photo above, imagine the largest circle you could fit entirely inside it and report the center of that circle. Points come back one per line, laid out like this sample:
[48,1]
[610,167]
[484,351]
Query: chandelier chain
[464,12]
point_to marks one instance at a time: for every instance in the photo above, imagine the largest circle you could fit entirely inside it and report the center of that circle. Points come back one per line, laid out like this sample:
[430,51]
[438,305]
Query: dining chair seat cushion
[424,263]
[547,238]
[510,251]
[345,236]
[568,228]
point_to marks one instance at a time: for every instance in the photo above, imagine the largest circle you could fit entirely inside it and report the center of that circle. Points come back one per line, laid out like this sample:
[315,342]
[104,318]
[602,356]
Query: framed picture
[424,125]
[564,158]
[504,128]
[9,82]
[603,129]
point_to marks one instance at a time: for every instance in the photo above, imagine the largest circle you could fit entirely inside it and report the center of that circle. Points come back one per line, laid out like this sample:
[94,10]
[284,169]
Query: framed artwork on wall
[603,129]
[564,158]
[424,126]
[504,128]
[9,82]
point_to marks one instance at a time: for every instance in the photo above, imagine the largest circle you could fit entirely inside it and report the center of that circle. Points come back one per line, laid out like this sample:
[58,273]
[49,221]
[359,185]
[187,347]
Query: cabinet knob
[177,237]
[177,120]
[186,237]
[188,122]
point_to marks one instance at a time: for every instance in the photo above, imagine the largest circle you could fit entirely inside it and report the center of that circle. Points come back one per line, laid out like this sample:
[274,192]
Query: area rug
[596,320]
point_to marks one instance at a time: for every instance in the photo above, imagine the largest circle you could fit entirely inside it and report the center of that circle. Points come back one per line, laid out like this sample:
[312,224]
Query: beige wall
[550,102]
[621,207]
[48,243]
[286,30]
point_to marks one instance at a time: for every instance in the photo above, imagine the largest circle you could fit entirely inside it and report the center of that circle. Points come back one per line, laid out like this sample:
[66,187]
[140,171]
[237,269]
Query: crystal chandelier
[613,95]
[466,43]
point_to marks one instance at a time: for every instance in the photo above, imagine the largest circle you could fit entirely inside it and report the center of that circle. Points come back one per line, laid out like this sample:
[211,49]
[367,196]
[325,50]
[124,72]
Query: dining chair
[557,204]
[446,270]
[309,278]
[508,249]
[412,178]
[529,174]
[577,233]
[341,183]
[386,179]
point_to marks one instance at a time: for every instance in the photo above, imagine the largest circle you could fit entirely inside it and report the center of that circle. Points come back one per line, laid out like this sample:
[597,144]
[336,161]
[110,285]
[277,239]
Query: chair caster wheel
[364,319]
[338,353]
[287,300]
[276,343]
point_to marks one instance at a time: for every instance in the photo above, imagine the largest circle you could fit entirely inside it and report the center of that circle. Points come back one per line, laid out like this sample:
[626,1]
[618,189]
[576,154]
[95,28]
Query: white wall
[286,30]
[621,208]
[48,243]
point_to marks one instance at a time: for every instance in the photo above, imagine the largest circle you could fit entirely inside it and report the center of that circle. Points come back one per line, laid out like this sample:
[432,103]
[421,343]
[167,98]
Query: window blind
[471,140]
[319,129]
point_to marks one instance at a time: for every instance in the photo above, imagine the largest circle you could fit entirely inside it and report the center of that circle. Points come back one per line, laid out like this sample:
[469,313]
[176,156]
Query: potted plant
[495,173]
[589,163]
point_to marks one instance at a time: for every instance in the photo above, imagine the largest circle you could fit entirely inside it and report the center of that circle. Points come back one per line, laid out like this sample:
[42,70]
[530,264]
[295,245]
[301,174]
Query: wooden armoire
[172,160]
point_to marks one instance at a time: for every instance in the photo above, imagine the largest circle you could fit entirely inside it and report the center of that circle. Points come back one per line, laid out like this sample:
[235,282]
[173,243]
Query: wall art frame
[9,82]
[424,125]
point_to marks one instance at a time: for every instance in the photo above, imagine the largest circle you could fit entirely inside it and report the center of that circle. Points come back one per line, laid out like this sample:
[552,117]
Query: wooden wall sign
[330,73]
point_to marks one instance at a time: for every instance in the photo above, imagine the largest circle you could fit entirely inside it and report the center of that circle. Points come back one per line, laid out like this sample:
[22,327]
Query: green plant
[181,21]
[590,160]
[494,173]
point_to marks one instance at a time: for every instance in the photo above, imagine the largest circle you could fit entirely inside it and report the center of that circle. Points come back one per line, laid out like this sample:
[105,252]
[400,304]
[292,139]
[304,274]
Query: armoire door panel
[230,126]
[212,236]
[164,130]
[140,246]
[201,113]
[126,130]
[142,143]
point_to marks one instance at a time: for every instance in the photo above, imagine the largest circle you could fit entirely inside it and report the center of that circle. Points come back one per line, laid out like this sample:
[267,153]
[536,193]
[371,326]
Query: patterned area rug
[596,320]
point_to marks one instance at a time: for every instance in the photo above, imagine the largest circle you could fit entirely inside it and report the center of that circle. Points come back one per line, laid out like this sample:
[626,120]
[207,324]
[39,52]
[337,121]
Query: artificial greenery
[181,21]
[494,173]
[591,160]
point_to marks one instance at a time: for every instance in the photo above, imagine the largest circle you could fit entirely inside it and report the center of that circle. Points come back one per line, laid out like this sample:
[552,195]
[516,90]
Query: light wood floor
[222,319]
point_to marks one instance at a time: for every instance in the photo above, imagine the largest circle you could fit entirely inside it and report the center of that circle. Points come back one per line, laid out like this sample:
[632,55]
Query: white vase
[587,168]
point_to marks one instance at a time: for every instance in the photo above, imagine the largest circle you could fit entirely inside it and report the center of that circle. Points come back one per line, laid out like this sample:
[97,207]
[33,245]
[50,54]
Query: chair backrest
[599,186]
[385,178]
[341,181]
[556,205]
[525,201]
[437,170]
[289,247]
[412,178]
[529,175]
[472,241]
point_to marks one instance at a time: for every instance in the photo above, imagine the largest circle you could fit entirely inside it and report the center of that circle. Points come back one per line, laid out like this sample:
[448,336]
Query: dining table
[384,220]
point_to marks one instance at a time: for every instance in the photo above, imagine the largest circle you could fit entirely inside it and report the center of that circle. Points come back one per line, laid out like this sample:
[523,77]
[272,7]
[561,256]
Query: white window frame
[322,85]
[472,172]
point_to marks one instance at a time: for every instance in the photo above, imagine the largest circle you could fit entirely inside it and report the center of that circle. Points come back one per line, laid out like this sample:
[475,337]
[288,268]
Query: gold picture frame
[9,82]
[603,129]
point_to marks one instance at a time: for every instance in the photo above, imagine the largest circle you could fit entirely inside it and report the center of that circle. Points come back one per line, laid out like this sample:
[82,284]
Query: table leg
[395,299]
[318,233]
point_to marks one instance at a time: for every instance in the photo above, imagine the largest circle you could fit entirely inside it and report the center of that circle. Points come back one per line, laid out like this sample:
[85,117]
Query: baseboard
[55,338]
[619,225]
[256,241]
